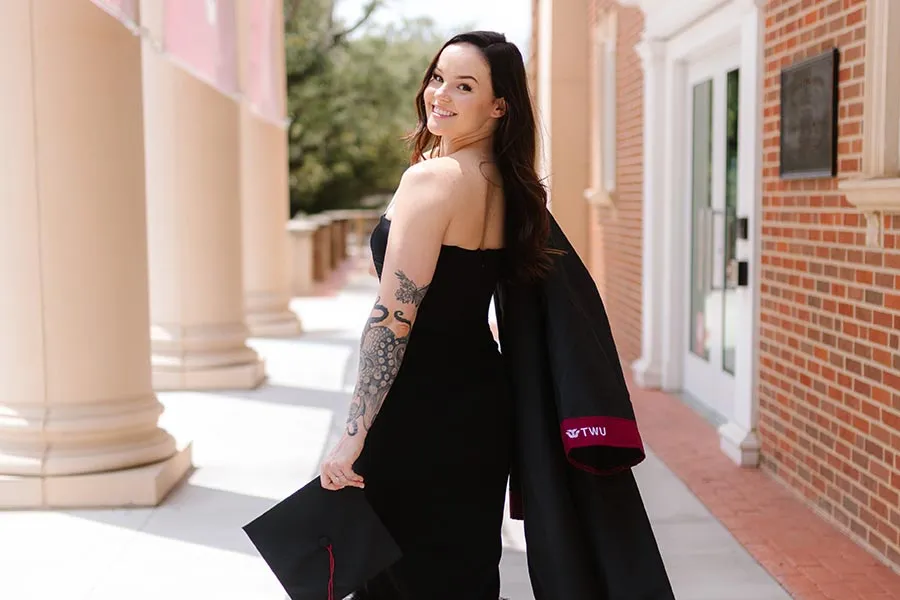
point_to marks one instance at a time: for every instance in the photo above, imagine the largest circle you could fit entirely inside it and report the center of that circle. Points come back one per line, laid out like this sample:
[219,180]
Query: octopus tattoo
[381,352]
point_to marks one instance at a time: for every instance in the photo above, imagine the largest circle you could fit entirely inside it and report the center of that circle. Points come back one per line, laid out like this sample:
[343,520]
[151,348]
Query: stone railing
[320,243]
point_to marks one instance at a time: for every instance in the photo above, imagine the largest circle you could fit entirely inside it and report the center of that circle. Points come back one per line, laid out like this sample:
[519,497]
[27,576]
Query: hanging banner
[123,10]
[201,35]
[262,90]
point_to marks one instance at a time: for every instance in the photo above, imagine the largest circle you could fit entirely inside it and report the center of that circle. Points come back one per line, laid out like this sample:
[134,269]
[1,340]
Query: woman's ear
[499,108]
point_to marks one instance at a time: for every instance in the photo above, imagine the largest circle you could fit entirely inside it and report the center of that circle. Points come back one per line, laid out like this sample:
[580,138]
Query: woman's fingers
[350,475]
[327,482]
[342,473]
[344,480]
[354,478]
[336,476]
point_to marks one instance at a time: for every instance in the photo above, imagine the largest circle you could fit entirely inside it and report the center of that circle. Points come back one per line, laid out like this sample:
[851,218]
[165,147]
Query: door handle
[738,273]
[742,228]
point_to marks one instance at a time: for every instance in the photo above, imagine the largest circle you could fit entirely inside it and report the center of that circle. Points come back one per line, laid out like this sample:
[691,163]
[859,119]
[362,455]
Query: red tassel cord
[331,573]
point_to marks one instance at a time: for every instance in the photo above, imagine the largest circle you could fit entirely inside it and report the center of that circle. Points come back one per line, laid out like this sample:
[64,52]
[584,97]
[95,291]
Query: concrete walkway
[252,448]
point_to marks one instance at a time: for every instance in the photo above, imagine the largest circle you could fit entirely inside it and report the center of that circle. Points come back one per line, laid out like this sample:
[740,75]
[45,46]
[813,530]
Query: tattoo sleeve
[383,344]
[408,292]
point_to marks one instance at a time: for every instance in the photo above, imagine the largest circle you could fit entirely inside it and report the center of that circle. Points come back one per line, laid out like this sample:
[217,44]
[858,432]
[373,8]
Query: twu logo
[585,432]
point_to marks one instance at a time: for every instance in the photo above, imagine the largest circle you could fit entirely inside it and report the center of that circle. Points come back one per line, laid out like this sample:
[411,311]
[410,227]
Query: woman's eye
[465,88]
[437,78]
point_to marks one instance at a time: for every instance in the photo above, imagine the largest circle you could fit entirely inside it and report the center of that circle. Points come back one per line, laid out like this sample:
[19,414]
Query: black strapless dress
[437,457]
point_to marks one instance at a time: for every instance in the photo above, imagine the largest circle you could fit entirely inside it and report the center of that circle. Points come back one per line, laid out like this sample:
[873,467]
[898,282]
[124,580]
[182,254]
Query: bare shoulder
[443,169]
[431,185]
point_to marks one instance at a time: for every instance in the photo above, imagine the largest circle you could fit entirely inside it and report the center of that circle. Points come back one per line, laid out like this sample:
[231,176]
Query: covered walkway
[253,447]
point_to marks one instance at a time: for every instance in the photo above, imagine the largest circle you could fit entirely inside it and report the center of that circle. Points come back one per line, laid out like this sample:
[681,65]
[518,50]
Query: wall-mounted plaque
[809,118]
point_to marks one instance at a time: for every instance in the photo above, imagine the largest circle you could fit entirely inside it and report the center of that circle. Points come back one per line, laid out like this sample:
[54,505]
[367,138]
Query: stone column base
[147,485]
[204,357]
[268,315]
[646,375]
[740,445]
[245,376]
[275,324]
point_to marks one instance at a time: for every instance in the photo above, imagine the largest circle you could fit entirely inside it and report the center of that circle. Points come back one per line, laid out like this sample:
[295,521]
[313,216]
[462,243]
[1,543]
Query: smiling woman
[429,431]
[451,90]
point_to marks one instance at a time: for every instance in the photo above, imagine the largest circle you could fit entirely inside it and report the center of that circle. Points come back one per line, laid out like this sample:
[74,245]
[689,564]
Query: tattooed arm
[381,351]
[420,213]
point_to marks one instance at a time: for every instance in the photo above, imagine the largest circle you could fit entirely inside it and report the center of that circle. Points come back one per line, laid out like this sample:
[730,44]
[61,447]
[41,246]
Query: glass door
[711,201]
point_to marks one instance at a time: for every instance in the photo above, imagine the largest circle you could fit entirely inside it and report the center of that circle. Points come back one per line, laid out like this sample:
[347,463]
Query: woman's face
[459,99]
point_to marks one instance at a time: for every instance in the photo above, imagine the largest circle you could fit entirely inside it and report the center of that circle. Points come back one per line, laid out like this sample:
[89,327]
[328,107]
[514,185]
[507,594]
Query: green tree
[350,101]
[312,32]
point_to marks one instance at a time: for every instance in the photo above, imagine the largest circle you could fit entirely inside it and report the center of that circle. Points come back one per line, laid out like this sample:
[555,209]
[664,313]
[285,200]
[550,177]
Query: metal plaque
[809,118]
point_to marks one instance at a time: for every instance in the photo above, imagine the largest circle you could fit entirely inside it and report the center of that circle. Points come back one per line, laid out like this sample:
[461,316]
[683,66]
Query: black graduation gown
[587,533]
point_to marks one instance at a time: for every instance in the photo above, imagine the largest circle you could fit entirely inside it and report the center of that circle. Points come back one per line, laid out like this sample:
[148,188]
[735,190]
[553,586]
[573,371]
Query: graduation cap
[323,544]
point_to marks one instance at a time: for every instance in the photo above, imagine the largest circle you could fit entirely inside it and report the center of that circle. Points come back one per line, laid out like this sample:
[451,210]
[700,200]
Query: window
[603,118]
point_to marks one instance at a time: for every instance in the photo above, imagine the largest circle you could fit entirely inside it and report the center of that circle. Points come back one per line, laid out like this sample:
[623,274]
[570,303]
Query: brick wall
[830,329]
[616,233]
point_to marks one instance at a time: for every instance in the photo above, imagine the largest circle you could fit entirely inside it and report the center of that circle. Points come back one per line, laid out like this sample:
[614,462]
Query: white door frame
[673,39]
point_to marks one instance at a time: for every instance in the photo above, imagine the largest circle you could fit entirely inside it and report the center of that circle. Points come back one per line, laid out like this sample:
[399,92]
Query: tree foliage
[350,100]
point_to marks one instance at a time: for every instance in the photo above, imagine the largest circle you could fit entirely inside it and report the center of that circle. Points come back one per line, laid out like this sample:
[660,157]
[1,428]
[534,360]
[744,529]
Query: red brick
[892,301]
[891,420]
[887,493]
[616,243]
[830,333]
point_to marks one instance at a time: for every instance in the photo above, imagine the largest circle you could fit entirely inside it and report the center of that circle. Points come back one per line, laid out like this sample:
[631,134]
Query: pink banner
[201,35]
[123,10]
[262,89]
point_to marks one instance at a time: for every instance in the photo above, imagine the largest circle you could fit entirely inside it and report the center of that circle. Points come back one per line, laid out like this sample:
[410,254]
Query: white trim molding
[647,369]
[738,438]
[877,191]
[665,18]
[603,112]
[676,34]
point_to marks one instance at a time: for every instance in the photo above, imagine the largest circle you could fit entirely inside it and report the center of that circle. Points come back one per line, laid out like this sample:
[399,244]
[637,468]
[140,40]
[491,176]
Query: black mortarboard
[323,544]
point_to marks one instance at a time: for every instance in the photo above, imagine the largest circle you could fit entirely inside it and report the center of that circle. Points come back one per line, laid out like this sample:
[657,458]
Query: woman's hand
[337,468]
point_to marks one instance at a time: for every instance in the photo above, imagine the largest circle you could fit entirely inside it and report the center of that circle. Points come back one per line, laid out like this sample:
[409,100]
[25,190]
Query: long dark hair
[527,224]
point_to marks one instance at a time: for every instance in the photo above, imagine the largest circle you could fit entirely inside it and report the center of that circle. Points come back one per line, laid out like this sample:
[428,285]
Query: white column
[674,256]
[193,166]
[738,437]
[647,370]
[264,198]
[78,416]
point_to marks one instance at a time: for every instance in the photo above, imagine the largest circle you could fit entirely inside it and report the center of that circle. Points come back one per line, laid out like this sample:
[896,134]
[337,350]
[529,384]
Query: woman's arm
[422,211]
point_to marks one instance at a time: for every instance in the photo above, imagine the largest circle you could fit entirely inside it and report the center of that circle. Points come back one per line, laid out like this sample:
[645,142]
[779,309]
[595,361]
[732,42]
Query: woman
[428,434]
